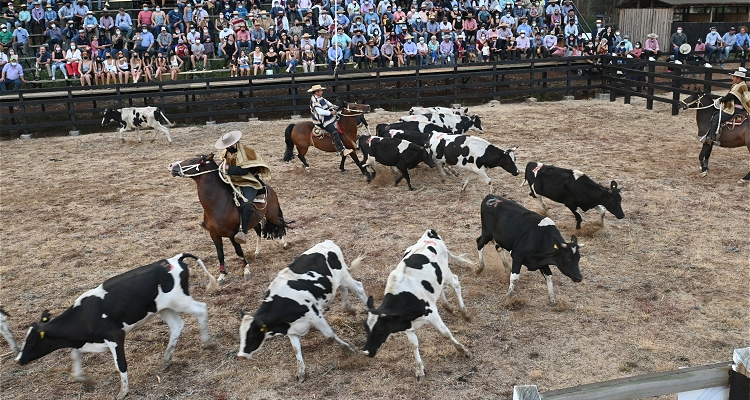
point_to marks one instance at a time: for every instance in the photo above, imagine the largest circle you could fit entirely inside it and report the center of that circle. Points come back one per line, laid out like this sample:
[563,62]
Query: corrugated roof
[663,3]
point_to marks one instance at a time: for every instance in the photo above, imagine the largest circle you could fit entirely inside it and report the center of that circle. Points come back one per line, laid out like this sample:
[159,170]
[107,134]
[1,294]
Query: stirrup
[261,198]
[346,152]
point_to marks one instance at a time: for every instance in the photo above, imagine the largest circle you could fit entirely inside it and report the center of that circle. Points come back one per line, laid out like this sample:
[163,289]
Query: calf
[438,110]
[411,297]
[414,126]
[416,137]
[574,189]
[398,153]
[473,154]
[532,240]
[138,118]
[296,299]
[455,123]
[100,318]
[7,332]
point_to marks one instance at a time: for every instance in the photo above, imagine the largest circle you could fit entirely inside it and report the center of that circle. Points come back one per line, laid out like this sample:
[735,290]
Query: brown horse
[301,136]
[221,217]
[730,137]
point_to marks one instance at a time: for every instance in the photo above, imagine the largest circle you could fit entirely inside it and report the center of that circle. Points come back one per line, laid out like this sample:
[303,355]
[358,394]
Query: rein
[184,169]
[225,178]
[714,104]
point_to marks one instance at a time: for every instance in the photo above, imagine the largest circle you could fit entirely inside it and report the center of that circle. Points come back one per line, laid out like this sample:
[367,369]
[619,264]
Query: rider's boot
[339,145]
[246,212]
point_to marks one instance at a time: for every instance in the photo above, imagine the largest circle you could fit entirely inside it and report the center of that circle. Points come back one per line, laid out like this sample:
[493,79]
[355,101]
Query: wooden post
[250,96]
[676,85]
[707,82]
[419,85]
[208,95]
[24,121]
[568,75]
[650,91]
[293,93]
[71,110]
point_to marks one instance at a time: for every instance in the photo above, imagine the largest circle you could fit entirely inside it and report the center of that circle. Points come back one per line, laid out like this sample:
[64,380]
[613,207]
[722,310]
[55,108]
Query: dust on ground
[664,288]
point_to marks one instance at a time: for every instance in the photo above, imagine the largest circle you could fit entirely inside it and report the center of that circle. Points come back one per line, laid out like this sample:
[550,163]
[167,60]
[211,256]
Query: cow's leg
[438,323]
[8,334]
[468,179]
[441,169]
[405,175]
[118,352]
[545,210]
[175,324]
[138,132]
[412,336]
[574,210]
[200,312]
[481,242]
[448,307]
[515,273]
[601,210]
[257,243]
[241,255]
[294,339]
[120,131]
[161,128]
[547,273]
[350,284]
[359,165]
[78,374]
[321,324]
[453,282]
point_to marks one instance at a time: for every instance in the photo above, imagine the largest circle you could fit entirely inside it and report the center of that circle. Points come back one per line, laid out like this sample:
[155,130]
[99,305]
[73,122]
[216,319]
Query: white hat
[228,139]
[707,65]
[740,73]
[315,88]
[685,48]
[678,62]
[651,59]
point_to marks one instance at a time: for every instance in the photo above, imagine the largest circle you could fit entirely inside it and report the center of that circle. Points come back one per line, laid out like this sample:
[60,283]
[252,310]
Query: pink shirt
[651,44]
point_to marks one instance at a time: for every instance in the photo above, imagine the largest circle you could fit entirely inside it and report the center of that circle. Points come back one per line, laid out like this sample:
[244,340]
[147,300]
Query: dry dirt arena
[664,288]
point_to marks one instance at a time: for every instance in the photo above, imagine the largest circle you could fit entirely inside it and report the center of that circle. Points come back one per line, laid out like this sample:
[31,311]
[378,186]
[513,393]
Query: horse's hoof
[343,171]
[247,275]
[703,174]
[307,170]
[743,181]
[222,279]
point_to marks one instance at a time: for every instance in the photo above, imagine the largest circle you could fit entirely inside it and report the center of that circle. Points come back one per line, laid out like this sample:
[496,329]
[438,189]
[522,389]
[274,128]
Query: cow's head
[476,123]
[504,159]
[111,114]
[567,256]
[192,166]
[39,341]
[382,322]
[426,154]
[253,333]
[613,202]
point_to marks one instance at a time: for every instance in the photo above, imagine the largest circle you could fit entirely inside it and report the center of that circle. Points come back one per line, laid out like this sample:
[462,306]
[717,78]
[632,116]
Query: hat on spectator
[522,18]
[228,139]
[732,29]
[235,12]
[652,36]
[371,41]
[503,25]
[323,30]
[315,88]
[164,28]
[469,15]
[408,36]
[626,37]
[740,73]
[81,31]
[306,35]
[18,24]
[685,48]
[421,38]
[339,11]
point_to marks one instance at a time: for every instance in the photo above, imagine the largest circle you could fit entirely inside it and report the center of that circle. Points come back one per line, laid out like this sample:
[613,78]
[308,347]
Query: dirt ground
[664,288]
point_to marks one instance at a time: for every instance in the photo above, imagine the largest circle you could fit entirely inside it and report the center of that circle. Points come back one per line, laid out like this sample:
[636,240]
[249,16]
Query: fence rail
[200,100]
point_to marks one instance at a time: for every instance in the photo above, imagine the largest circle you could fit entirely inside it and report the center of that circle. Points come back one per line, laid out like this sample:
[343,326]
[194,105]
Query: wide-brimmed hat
[228,139]
[408,36]
[740,73]
[652,36]
[306,35]
[503,25]
[685,48]
[323,30]
[315,88]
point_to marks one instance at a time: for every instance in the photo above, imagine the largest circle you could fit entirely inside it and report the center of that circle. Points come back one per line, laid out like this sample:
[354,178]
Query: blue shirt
[147,39]
[21,35]
[11,72]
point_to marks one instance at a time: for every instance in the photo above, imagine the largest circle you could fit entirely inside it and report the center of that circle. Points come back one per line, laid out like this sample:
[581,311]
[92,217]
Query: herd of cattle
[100,318]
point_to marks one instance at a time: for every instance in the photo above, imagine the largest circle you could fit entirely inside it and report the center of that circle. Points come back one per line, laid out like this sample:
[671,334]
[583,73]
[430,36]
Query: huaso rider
[324,114]
[246,170]
[736,102]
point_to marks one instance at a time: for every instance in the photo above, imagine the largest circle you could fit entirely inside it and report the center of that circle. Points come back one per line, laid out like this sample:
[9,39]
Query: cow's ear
[612,186]
[370,303]
[573,240]
[512,149]
[46,316]
[466,110]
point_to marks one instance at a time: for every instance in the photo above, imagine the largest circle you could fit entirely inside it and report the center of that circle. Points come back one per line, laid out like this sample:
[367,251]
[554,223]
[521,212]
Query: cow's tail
[357,261]
[289,153]
[462,259]
[212,284]
[164,118]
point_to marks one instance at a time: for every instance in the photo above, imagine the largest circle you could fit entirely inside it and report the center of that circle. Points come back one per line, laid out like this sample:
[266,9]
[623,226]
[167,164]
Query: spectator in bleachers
[743,41]
[20,40]
[728,43]
[571,29]
[90,24]
[523,45]
[110,69]
[434,46]
[470,28]
[58,62]
[158,20]
[282,22]
[308,59]
[96,47]
[119,43]
[272,60]
[675,41]
[37,24]
[208,42]
[182,50]
[147,42]
[433,27]
[295,30]
[53,35]
[651,47]
[136,66]
[419,28]
[85,69]
[229,48]
[257,38]
[446,29]
[226,13]
[308,27]
[411,53]
[160,66]
[512,50]
[187,16]
[144,17]
[322,42]
[307,41]
[124,23]
[43,60]
[335,58]
[164,41]
[570,16]
[242,11]
[148,67]
[6,36]
[637,50]
[519,11]
[324,20]
[497,47]
[398,54]
[556,22]
[200,15]
[523,26]
[342,40]
[446,51]
[198,53]
[292,11]
[192,35]
[713,43]
[175,20]
[12,73]
[106,24]
[178,34]
[603,47]
[24,17]
[459,49]
[3,57]
[79,12]
[387,54]
[551,8]
[538,49]
[65,13]
[535,15]
[609,34]
[98,71]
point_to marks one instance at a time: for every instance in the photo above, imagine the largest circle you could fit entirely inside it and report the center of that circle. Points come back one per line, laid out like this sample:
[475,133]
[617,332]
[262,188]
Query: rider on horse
[736,102]
[246,171]
[324,114]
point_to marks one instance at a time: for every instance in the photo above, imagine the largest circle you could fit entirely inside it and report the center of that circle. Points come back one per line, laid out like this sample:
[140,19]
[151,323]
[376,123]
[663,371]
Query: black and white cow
[532,240]
[574,189]
[438,110]
[455,123]
[6,331]
[99,319]
[425,128]
[296,299]
[473,154]
[398,153]
[137,118]
[416,137]
[411,297]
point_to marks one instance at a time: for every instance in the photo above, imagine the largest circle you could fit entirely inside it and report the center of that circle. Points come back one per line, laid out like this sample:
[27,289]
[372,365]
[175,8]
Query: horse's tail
[274,231]
[212,284]
[289,153]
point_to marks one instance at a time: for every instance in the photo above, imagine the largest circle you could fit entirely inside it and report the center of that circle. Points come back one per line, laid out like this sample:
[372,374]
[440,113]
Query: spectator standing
[728,43]
[58,62]
[651,47]
[676,40]
[12,73]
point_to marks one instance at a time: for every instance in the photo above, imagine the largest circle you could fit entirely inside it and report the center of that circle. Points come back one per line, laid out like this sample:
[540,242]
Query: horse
[301,136]
[730,137]
[221,217]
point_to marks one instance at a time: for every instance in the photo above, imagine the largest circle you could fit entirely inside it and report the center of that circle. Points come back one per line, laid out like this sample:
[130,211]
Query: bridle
[186,168]
[698,101]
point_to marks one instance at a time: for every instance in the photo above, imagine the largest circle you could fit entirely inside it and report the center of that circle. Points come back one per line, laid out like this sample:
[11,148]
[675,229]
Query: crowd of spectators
[313,34]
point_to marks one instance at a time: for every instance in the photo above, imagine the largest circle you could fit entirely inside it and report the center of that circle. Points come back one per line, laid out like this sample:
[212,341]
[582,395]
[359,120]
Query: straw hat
[652,36]
[306,35]
[740,73]
[685,48]
[315,88]
[408,36]
[228,139]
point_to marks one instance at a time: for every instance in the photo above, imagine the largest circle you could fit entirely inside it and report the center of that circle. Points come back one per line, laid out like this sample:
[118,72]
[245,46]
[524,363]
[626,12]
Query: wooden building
[638,18]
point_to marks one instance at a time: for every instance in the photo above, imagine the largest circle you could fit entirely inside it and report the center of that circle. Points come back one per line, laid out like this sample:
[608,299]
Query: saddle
[734,121]
[321,133]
